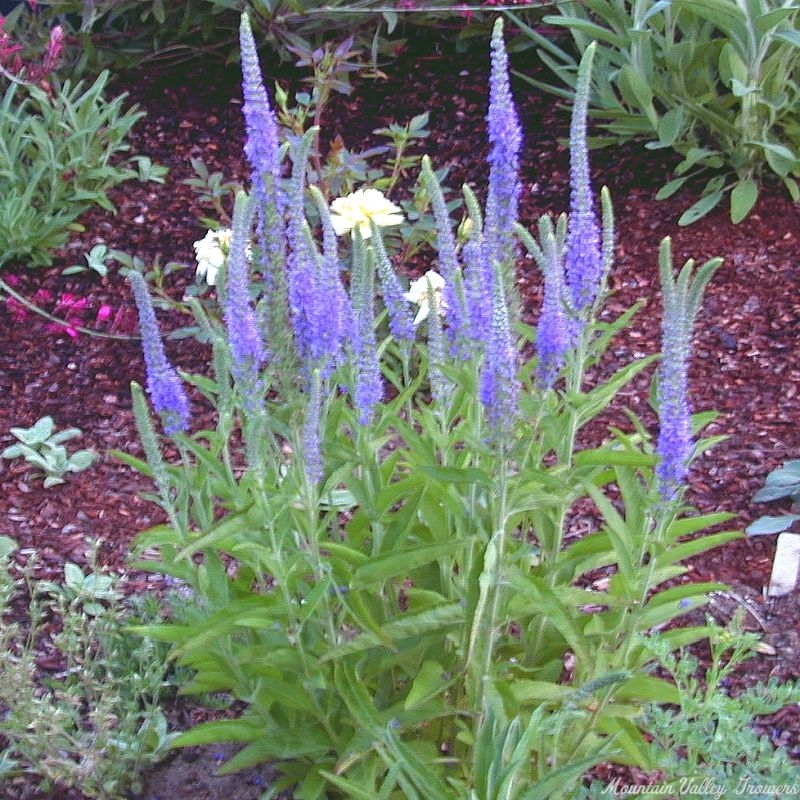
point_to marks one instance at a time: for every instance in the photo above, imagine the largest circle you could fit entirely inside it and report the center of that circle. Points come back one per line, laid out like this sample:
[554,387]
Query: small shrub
[717,81]
[93,722]
[43,447]
[59,155]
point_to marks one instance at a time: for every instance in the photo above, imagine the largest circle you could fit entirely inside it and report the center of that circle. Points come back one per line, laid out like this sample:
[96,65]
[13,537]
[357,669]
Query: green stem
[480,655]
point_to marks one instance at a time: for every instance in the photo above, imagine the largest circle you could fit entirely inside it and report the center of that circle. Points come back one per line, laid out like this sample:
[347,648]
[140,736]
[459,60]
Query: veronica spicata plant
[388,570]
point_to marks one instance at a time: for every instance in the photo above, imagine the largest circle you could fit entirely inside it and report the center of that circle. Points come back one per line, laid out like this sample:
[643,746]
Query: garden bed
[746,362]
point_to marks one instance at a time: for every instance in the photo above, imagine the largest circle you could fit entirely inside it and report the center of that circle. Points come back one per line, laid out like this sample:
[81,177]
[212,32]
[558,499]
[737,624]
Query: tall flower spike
[505,138]
[306,304]
[682,298]
[335,313]
[499,387]
[262,148]
[244,337]
[584,249]
[441,386]
[401,322]
[477,277]
[553,331]
[458,324]
[369,382]
[163,384]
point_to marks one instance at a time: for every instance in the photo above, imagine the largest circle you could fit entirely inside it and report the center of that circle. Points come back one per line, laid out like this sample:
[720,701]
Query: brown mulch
[746,360]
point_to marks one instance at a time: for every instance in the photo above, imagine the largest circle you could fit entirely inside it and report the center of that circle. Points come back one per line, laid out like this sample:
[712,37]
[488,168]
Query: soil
[746,361]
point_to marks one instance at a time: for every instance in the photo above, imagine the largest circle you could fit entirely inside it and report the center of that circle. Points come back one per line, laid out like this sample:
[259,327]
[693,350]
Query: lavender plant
[389,570]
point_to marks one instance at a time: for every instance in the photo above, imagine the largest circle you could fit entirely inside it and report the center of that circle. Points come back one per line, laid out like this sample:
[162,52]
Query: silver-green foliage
[43,447]
[782,483]
[58,157]
[95,722]
[717,81]
[711,734]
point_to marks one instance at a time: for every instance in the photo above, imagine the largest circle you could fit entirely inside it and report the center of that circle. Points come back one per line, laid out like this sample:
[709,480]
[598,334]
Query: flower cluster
[14,68]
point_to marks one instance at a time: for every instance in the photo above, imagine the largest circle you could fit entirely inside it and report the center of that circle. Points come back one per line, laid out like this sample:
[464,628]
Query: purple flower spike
[163,384]
[554,329]
[309,313]
[499,387]
[262,148]
[369,381]
[585,261]
[505,138]
[675,435]
[459,329]
[244,336]
[401,321]
[682,298]
[478,288]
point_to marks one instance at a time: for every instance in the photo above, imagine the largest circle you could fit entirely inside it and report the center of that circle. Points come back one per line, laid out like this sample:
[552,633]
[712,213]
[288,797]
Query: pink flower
[17,311]
[104,313]
[55,327]
[55,47]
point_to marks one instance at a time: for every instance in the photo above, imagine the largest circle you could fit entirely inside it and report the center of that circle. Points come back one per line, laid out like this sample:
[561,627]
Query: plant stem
[480,655]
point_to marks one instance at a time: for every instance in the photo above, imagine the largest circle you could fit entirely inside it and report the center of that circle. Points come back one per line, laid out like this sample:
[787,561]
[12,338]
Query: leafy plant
[379,530]
[41,446]
[95,260]
[95,722]
[711,733]
[783,482]
[56,161]
[717,81]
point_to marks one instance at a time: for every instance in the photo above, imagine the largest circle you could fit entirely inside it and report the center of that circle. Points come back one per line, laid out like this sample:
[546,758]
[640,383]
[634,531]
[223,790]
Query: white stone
[785,565]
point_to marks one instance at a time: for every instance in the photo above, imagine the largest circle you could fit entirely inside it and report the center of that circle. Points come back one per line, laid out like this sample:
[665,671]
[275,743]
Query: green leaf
[637,92]
[669,126]
[429,682]
[7,547]
[379,570]
[225,533]
[701,544]
[743,197]
[641,688]
[699,209]
[73,576]
[39,432]
[611,457]
[226,730]
[81,460]
[765,526]
[465,475]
